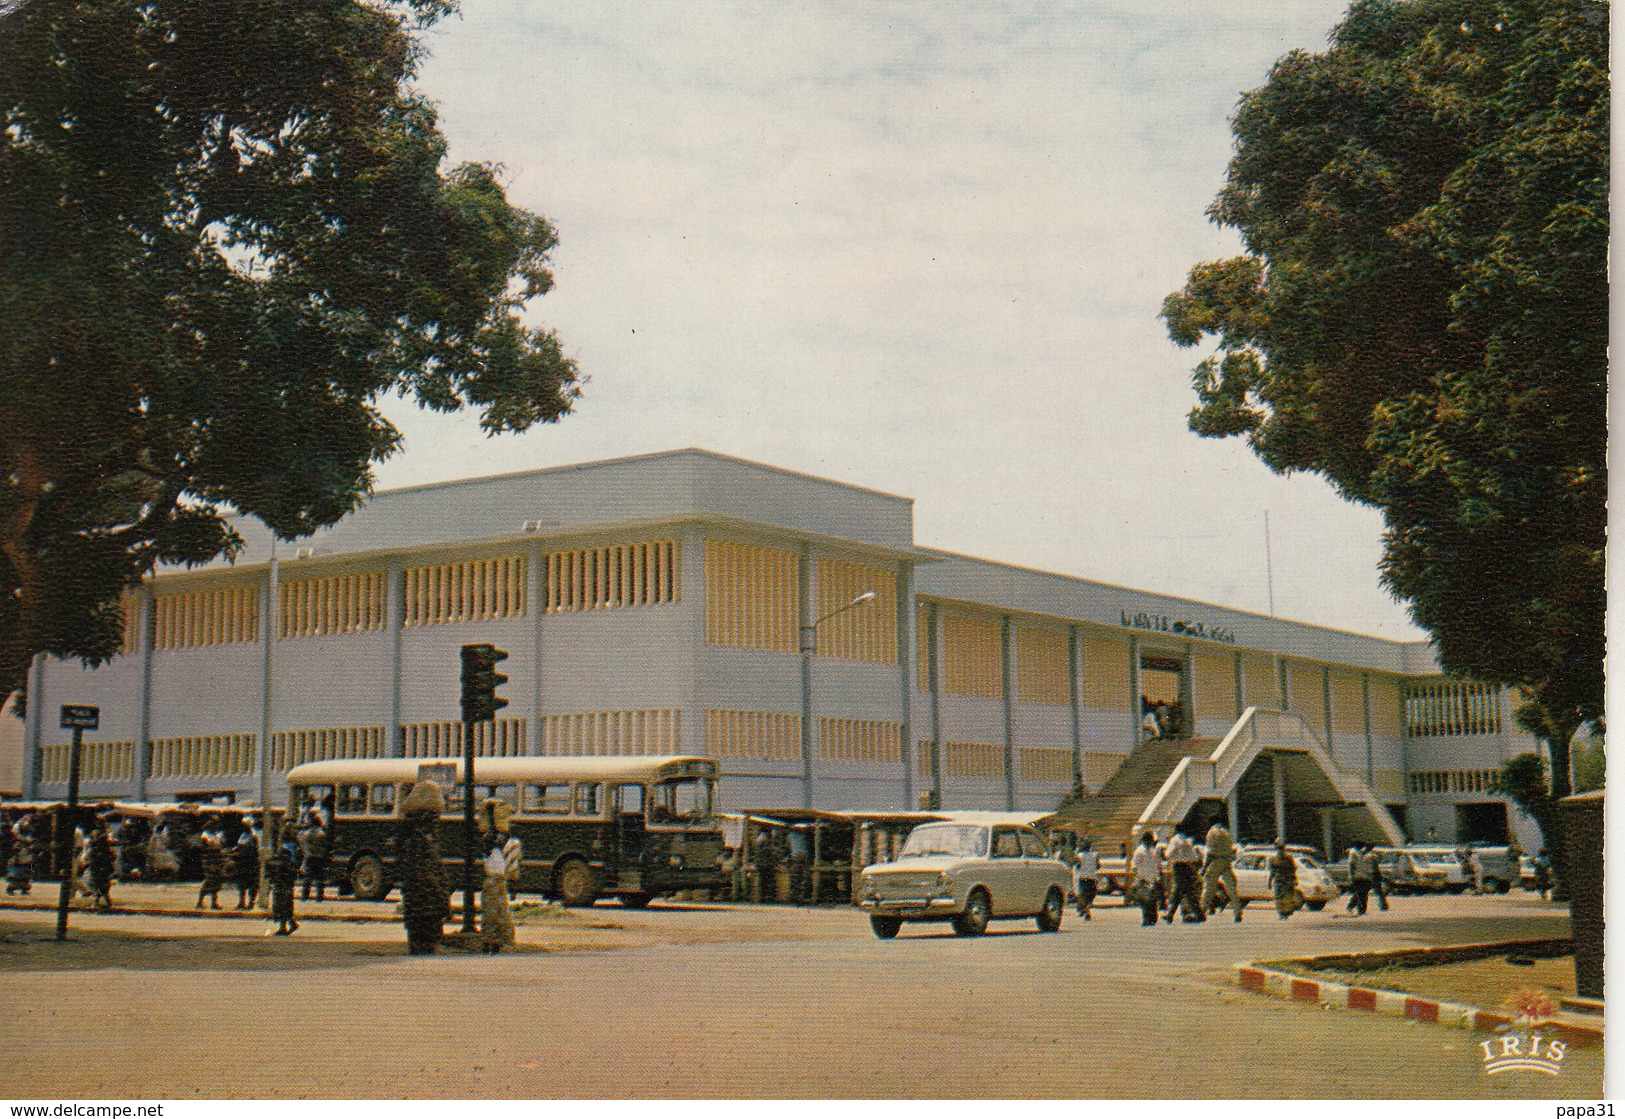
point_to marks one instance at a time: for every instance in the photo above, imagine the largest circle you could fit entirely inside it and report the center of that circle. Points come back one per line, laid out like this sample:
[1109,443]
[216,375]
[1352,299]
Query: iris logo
[1522,1046]
[1523,1051]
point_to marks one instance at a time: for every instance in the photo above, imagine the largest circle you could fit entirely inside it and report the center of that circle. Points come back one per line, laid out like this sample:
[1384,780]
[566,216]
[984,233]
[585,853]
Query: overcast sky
[913,246]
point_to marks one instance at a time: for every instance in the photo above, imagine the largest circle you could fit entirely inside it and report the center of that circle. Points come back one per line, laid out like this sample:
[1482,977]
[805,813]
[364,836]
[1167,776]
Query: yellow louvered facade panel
[98,761]
[922,648]
[296,747]
[863,633]
[973,760]
[860,740]
[1348,704]
[971,661]
[465,591]
[207,755]
[130,612]
[1098,768]
[1307,697]
[750,596]
[1042,764]
[1106,673]
[756,735]
[613,733]
[640,573]
[1042,666]
[350,603]
[501,738]
[1213,684]
[1259,682]
[1452,707]
[223,616]
[1385,707]
[1389,783]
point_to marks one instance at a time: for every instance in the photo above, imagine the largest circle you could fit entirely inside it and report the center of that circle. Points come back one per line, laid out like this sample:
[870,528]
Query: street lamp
[809,633]
[809,646]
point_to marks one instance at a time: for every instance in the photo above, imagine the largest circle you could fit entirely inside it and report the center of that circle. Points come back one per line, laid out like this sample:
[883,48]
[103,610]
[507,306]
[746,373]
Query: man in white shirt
[1145,869]
[1186,897]
[1086,877]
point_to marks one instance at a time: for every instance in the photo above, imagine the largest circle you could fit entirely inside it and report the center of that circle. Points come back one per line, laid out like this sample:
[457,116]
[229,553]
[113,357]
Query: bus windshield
[686,799]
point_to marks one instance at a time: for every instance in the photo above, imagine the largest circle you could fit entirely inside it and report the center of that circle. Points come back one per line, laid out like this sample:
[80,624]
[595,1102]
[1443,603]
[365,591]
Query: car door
[1005,872]
[1038,871]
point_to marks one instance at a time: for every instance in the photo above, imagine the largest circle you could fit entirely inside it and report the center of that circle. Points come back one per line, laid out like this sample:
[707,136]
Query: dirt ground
[1486,984]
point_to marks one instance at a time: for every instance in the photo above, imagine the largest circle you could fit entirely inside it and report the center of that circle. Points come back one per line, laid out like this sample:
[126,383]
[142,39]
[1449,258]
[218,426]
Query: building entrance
[1164,697]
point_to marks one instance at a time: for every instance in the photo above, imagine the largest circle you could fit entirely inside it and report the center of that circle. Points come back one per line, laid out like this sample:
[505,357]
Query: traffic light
[480,682]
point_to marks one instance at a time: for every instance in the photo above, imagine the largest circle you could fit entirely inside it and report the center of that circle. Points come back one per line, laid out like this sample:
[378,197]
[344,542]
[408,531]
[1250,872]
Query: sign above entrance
[1162,623]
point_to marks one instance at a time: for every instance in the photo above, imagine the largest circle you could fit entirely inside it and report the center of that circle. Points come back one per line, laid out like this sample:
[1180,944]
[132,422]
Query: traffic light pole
[468,826]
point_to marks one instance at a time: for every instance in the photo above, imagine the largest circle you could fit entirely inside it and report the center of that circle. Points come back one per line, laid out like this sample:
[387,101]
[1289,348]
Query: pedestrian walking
[280,874]
[1186,897]
[496,919]
[213,857]
[1218,869]
[20,867]
[245,866]
[100,859]
[1086,877]
[315,842]
[1475,867]
[1379,887]
[1283,880]
[425,899]
[1359,881]
[1371,863]
[1145,871]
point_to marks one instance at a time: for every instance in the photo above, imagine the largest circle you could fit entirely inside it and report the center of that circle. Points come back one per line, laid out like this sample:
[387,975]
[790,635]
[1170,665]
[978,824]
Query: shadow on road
[34,947]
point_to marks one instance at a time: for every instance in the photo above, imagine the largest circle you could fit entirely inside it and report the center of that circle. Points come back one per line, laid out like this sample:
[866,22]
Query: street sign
[81,716]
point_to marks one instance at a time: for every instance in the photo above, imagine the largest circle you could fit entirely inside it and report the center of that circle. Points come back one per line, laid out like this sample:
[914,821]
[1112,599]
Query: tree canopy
[227,232]
[1421,317]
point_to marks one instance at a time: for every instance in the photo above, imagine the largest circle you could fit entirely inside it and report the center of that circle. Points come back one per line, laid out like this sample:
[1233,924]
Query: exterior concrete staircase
[1109,815]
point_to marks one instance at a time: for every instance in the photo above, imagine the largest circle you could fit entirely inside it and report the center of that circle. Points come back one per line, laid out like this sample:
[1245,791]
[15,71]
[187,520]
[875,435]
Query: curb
[1341,996]
[209,914]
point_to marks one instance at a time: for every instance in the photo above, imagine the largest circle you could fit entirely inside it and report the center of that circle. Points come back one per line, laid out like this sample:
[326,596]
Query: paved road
[728,1002]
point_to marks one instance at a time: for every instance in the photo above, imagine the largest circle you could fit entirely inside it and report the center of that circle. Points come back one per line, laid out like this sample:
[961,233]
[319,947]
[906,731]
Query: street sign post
[78,718]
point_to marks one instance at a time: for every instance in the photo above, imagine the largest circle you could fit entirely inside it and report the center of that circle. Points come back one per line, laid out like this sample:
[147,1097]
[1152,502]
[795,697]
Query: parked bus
[627,827]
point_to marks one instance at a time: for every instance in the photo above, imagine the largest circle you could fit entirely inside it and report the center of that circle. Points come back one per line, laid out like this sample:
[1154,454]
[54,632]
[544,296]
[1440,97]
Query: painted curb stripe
[1268,981]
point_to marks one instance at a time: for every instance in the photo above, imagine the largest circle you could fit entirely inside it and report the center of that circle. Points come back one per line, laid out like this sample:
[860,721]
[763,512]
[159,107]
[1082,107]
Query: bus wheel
[367,880]
[574,884]
[635,901]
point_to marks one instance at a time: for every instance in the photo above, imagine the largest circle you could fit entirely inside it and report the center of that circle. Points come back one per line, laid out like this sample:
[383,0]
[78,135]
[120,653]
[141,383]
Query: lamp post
[808,647]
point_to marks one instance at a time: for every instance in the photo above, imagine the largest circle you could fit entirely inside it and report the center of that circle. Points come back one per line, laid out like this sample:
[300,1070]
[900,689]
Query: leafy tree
[227,231]
[1421,317]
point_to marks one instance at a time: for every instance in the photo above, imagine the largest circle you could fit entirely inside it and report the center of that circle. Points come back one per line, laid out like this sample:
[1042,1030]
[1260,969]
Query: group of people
[425,892]
[1203,882]
[222,860]
[1365,879]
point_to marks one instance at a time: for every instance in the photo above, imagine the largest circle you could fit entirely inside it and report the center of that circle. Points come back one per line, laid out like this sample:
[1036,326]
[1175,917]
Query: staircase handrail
[1236,751]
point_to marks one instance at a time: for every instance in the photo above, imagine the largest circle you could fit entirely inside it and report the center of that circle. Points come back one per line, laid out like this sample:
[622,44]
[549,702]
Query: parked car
[1447,871]
[1253,876]
[1528,878]
[1498,870]
[967,874]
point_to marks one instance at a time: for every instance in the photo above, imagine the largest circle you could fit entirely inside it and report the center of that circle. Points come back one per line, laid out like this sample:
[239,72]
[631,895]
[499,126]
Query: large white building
[691,602]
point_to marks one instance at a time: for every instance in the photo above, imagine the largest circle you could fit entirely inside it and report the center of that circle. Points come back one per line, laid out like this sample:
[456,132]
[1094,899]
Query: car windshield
[962,840]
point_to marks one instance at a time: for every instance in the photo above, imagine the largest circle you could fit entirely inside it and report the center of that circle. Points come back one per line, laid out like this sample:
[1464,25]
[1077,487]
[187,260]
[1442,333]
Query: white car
[968,874]
[1253,876]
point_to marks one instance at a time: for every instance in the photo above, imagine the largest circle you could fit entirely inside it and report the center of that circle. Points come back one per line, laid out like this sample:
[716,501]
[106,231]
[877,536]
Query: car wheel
[973,922]
[885,927]
[1315,906]
[574,885]
[1049,918]
[367,878]
[1502,887]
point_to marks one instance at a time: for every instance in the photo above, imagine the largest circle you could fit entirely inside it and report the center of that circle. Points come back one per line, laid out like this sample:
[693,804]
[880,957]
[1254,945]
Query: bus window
[352,799]
[629,798]
[383,800]
[509,794]
[587,799]
[682,798]
[547,800]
